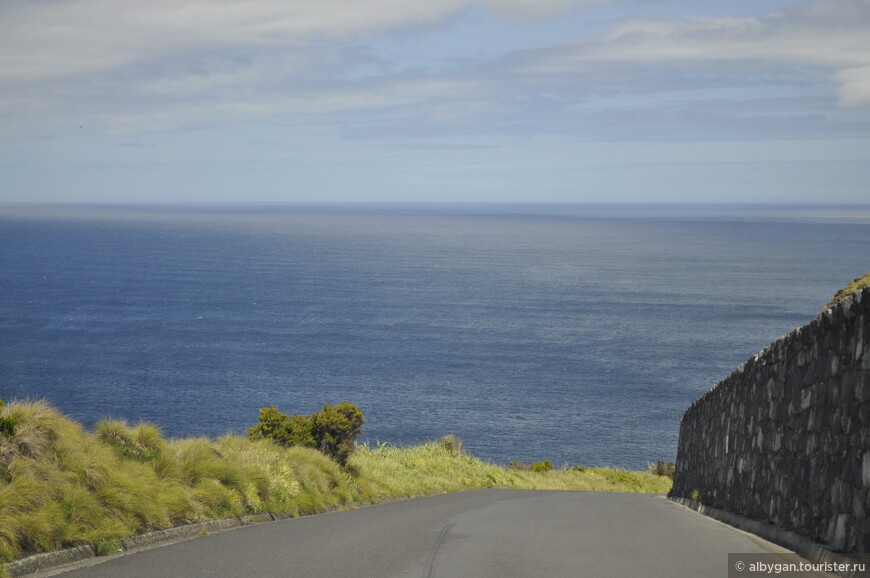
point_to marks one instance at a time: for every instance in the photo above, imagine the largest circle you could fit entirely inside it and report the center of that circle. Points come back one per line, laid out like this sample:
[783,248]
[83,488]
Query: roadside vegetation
[63,486]
[443,466]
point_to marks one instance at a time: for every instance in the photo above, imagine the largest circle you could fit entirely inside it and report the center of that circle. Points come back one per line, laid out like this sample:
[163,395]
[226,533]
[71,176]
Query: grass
[852,287]
[441,466]
[63,486]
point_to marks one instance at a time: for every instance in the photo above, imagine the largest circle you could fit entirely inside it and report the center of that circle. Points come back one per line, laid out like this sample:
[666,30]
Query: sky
[125,101]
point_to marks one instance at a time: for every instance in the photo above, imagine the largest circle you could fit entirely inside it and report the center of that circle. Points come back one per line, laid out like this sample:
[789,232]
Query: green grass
[441,467]
[63,486]
[852,287]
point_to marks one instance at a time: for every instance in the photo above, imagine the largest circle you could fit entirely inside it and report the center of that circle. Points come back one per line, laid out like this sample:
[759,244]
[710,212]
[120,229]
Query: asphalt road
[491,533]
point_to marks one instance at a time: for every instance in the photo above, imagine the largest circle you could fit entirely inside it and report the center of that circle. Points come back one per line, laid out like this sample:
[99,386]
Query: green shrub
[580,469]
[516,465]
[544,466]
[271,425]
[299,432]
[282,429]
[332,430]
[336,428]
[660,468]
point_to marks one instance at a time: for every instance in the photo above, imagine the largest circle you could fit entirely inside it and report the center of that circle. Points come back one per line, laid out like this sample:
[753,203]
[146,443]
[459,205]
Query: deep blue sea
[575,333]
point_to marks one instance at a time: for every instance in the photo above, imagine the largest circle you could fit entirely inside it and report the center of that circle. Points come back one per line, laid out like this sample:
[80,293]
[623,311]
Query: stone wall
[786,437]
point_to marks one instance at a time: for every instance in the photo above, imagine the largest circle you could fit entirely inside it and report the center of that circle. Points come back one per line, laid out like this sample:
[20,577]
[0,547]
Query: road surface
[490,533]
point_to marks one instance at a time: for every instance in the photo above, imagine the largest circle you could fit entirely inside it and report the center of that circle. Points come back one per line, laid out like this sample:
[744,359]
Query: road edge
[801,545]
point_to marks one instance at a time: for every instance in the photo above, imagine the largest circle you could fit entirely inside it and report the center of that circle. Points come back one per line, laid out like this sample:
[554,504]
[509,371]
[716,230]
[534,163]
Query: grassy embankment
[63,486]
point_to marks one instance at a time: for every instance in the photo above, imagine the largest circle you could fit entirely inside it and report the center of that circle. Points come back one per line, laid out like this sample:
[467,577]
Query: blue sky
[443,100]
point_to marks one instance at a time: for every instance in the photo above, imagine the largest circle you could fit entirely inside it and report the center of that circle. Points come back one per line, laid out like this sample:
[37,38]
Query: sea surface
[575,333]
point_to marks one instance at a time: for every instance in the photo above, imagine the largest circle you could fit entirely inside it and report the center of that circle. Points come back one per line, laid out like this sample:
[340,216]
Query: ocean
[574,333]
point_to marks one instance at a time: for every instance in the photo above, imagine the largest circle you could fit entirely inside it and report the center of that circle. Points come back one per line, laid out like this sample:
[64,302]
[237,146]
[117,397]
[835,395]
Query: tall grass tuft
[35,427]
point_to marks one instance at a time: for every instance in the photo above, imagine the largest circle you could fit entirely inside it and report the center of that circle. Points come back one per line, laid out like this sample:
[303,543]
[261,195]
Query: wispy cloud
[69,38]
[854,86]
[116,59]
[828,35]
[127,66]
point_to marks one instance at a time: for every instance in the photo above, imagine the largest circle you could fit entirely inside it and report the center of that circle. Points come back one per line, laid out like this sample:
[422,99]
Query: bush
[544,466]
[516,465]
[333,430]
[336,428]
[283,429]
[660,468]
[270,426]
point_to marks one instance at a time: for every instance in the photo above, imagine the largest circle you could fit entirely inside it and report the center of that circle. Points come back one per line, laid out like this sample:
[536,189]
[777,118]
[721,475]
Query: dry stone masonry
[786,437]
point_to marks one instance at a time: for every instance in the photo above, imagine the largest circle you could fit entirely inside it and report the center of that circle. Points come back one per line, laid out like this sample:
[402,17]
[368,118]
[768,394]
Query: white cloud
[170,62]
[824,34]
[128,65]
[533,9]
[855,86]
[69,38]
[189,102]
